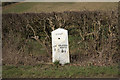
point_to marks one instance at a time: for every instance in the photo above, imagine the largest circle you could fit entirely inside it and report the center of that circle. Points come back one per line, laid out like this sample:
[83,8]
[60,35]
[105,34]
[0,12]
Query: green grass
[18,8]
[0,71]
[53,71]
[56,63]
[37,7]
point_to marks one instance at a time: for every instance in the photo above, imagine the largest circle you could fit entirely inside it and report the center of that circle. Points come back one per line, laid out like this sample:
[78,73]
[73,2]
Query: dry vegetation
[93,37]
[93,40]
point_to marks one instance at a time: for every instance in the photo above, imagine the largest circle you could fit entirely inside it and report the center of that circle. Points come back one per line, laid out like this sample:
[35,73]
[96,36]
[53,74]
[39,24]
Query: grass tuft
[57,63]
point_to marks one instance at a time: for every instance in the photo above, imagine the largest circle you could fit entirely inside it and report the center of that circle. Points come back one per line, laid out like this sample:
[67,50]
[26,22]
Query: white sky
[60,0]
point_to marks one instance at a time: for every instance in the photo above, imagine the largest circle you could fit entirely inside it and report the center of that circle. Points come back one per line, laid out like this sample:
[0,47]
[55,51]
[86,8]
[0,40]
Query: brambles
[93,36]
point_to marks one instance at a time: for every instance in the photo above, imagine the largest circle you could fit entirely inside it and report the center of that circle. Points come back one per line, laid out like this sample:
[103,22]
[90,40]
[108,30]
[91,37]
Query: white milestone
[60,46]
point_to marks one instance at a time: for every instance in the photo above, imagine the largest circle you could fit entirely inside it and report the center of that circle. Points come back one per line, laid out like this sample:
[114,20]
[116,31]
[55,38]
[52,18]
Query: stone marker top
[59,30]
[59,35]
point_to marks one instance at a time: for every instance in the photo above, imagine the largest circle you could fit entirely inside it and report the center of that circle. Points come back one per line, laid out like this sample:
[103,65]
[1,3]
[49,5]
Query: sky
[60,0]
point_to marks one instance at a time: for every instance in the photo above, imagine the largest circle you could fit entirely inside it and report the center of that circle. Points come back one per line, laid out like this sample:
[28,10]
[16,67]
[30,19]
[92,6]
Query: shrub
[93,34]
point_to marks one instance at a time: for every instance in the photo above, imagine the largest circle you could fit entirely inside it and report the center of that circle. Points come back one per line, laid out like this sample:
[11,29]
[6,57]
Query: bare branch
[28,25]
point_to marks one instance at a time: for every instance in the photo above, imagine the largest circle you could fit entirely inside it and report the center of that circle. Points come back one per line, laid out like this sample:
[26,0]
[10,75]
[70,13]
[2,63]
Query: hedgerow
[93,36]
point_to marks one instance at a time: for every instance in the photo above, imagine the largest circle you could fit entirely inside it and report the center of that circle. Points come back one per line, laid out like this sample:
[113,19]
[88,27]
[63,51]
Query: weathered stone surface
[60,46]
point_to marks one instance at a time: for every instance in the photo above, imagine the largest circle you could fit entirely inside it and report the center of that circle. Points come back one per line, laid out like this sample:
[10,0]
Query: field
[33,7]
[93,40]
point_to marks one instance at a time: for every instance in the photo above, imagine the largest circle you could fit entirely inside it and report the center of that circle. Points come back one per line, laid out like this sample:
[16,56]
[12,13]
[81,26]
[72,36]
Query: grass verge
[53,71]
